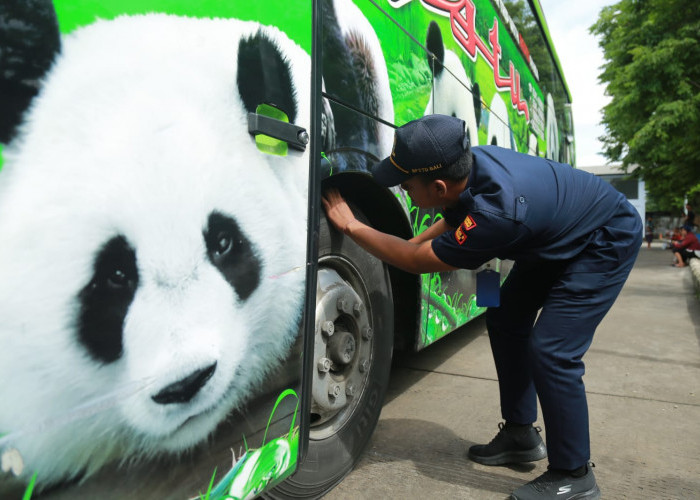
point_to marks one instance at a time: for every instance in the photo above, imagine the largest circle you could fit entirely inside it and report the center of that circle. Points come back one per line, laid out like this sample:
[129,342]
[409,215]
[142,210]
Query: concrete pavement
[643,384]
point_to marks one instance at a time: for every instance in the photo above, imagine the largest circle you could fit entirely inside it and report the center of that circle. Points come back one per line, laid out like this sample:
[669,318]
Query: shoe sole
[511,457]
[592,494]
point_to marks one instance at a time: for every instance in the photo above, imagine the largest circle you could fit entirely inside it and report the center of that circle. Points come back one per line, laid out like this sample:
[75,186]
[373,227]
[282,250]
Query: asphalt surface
[643,384]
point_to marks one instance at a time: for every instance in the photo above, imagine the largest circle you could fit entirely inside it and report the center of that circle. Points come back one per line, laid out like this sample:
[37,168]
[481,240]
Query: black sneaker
[512,444]
[560,485]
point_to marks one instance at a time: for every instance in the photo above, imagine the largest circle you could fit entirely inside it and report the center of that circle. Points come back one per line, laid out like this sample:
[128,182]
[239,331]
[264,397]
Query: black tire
[338,440]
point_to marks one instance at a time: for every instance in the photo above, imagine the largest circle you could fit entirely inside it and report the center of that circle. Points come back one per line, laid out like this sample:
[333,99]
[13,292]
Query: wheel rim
[342,347]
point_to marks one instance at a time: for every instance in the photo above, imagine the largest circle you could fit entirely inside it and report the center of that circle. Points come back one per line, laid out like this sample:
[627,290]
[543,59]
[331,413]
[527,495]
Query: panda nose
[183,390]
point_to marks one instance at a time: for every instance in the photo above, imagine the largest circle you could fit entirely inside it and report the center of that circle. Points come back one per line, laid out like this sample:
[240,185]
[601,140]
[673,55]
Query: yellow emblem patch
[460,236]
[468,223]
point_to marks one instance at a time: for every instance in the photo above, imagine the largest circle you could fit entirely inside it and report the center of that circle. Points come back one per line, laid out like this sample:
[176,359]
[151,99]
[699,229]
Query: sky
[581,59]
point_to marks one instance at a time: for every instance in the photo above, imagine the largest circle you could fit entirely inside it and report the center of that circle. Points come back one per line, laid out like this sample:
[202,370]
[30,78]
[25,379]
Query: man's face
[422,193]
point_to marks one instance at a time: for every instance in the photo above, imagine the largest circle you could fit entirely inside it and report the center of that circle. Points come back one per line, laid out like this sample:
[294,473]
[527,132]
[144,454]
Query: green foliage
[411,82]
[652,73]
[264,467]
[441,312]
[30,488]
[207,495]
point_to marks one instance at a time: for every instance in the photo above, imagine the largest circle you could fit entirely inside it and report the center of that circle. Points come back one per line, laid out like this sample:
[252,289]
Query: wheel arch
[386,214]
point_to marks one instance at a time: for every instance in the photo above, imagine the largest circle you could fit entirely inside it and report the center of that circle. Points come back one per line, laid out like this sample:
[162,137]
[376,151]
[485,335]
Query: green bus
[177,317]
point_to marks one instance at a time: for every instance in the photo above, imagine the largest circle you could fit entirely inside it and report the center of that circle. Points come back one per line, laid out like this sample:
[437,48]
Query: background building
[632,188]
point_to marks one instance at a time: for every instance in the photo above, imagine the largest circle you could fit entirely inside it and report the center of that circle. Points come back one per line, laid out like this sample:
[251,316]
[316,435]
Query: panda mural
[453,92]
[533,147]
[355,73]
[552,130]
[499,133]
[144,294]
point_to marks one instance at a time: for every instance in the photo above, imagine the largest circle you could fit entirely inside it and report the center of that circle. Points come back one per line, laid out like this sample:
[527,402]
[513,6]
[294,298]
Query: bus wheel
[352,361]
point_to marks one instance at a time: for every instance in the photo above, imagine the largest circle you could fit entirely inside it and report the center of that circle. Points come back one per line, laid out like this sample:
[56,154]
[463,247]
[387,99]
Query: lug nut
[357,309]
[350,389]
[367,332]
[328,328]
[334,390]
[342,305]
[324,365]
[364,365]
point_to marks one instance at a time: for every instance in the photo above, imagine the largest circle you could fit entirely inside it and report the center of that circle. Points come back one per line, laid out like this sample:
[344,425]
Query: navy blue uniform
[574,239]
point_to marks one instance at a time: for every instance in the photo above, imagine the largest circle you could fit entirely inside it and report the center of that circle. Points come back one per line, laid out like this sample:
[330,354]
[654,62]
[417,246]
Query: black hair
[457,171]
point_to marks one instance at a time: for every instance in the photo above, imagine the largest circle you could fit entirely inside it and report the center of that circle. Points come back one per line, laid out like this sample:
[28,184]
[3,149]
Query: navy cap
[422,146]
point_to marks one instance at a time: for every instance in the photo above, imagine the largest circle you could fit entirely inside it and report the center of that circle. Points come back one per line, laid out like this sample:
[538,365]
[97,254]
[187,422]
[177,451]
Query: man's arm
[432,232]
[407,255]
[415,258]
[684,242]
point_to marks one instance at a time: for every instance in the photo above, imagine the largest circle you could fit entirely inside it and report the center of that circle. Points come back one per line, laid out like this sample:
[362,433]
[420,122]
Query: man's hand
[414,257]
[337,209]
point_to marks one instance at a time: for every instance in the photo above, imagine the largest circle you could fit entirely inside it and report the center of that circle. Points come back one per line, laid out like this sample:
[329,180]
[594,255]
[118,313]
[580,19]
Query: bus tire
[338,436]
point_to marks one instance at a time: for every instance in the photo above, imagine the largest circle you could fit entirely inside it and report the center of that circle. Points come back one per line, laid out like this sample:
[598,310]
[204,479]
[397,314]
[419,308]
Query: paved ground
[643,383]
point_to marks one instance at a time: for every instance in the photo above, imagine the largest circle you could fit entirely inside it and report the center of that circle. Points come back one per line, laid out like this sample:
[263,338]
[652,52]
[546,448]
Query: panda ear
[30,41]
[264,76]
[433,42]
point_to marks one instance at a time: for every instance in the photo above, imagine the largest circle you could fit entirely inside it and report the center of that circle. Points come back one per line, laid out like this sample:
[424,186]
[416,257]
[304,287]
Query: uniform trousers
[541,356]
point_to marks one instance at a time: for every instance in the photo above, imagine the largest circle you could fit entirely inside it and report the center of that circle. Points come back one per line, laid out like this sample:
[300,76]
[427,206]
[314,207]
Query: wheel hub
[342,351]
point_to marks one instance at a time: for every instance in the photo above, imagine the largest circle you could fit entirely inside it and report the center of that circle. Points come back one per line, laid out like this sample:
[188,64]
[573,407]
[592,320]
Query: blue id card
[488,290]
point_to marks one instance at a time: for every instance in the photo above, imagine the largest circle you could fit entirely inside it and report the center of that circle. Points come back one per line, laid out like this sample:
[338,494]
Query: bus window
[559,128]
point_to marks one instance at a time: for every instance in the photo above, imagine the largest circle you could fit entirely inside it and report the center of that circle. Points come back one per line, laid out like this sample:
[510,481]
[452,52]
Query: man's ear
[440,187]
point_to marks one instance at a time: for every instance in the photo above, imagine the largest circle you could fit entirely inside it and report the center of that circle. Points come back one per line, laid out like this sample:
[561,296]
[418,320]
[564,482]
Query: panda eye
[115,267]
[117,279]
[105,300]
[224,242]
[232,253]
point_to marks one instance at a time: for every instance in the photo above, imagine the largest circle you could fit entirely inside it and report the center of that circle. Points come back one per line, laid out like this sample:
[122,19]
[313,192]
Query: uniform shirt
[526,209]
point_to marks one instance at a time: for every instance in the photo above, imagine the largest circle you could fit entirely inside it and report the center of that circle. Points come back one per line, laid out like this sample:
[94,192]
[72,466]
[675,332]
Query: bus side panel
[462,59]
[466,59]
[149,325]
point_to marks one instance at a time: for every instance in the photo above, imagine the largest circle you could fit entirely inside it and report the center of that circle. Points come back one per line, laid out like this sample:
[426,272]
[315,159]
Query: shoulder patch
[461,232]
[460,235]
[468,223]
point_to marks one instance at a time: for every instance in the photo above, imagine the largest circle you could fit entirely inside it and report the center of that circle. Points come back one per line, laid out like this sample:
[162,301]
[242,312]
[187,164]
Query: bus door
[153,217]
[350,358]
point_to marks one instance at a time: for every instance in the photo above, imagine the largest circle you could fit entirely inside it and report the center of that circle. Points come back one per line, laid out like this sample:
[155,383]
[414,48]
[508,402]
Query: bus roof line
[537,8]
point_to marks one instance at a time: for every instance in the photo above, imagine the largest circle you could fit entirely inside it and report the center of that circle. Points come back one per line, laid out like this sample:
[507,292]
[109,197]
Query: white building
[632,188]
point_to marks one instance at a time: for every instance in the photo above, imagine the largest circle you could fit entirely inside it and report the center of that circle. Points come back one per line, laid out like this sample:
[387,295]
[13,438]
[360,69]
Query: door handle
[295,136]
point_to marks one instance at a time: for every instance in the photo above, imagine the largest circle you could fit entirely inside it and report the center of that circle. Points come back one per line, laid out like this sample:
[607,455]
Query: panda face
[148,248]
[110,296]
[191,327]
[105,301]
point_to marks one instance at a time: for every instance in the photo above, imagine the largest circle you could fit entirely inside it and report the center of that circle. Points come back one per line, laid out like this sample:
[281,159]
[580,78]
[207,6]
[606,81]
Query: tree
[652,72]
